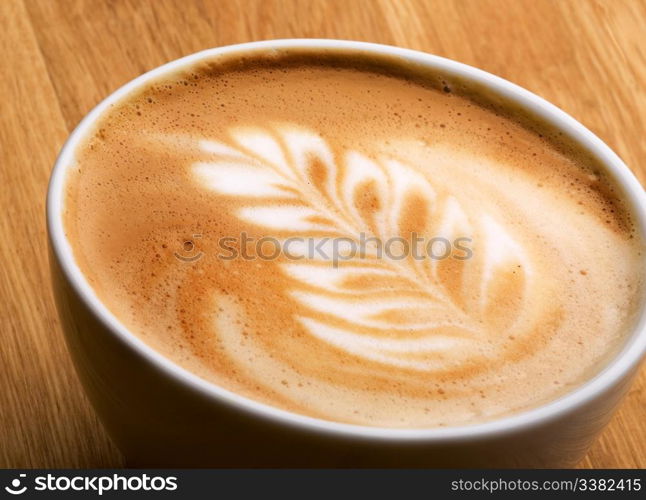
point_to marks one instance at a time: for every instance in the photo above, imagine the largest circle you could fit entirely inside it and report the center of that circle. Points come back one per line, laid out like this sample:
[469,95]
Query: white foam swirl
[379,309]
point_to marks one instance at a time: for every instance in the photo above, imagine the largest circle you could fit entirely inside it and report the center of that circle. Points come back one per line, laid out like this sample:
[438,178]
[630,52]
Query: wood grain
[59,58]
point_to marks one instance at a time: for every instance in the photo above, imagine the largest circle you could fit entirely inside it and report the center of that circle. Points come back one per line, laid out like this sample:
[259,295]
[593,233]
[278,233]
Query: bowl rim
[622,365]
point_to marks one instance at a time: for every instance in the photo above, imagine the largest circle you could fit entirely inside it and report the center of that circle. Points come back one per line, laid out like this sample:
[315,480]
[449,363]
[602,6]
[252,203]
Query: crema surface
[423,260]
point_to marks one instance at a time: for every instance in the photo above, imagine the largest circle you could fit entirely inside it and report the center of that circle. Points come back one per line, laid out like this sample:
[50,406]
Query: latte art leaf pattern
[412,313]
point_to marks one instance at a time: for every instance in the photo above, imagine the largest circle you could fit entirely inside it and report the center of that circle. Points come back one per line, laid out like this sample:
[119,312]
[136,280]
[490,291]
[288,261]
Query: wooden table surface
[60,58]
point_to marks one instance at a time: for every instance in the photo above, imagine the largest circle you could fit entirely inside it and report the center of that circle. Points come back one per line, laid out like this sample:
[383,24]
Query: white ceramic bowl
[162,415]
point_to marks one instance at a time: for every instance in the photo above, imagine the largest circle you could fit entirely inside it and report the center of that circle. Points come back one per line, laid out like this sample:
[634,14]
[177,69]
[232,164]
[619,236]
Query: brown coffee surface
[537,286]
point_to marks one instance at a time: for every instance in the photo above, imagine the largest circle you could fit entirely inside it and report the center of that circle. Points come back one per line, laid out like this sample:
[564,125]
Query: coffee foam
[303,147]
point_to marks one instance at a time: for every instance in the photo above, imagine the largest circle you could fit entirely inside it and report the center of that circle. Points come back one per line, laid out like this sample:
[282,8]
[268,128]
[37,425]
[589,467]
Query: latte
[348,168]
